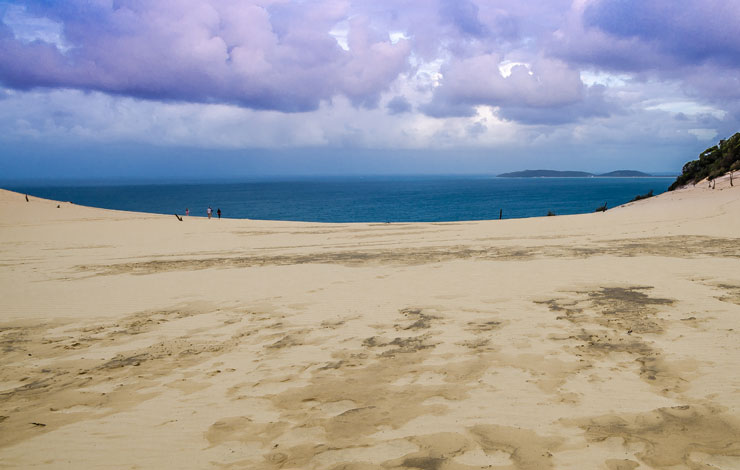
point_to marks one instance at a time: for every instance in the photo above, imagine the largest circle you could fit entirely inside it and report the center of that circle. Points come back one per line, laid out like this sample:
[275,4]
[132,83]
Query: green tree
[712,163]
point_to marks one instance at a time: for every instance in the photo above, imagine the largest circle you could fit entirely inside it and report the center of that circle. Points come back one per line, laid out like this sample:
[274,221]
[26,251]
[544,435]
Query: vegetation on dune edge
[640,197]
[712,163]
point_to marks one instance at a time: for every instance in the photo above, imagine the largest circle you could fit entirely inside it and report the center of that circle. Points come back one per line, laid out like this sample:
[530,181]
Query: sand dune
[595,341]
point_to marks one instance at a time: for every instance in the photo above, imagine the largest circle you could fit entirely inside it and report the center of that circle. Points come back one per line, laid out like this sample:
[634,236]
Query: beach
[596,341]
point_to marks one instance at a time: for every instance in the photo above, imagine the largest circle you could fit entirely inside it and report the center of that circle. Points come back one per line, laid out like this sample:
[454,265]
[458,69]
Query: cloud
[692,41]
[476,129]
[29,29]
[257,56]
[686,31]
[398,105]
[463,14]
[387,74]
[442,108]
[593,104]
[543,91]
[260,54]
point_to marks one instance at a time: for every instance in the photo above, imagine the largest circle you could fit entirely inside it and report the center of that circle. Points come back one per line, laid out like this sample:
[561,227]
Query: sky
[227,88]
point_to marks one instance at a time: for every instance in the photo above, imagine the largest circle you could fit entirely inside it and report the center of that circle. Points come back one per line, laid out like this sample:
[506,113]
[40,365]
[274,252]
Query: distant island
[626,174]
[571,174]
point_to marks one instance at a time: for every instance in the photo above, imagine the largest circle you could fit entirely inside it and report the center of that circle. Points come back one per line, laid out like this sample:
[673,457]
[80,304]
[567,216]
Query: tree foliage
[712,163]
[640,197]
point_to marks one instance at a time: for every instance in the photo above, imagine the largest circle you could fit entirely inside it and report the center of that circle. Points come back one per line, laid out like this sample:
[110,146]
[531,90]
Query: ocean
[363,199]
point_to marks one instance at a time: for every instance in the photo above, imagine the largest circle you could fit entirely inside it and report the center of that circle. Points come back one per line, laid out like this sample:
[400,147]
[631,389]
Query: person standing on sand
[209,212]
[187,211]
[219,212]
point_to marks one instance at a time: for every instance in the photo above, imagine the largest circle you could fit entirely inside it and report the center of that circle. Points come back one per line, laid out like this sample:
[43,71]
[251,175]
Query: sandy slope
[597,341]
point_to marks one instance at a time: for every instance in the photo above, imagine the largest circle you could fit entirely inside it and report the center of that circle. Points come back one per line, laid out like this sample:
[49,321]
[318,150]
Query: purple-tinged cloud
[398,105]
[444,58]
[662,37]
[476,129]
[463,14]
[593,104]
[527,89]
[442,108]
[244,53]
[688,31]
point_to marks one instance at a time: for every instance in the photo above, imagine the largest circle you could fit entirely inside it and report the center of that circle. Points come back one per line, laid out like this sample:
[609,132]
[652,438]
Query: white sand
[596,341]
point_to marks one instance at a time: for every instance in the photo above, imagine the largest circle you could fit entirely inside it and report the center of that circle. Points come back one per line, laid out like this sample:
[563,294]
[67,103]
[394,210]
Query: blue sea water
[363,199]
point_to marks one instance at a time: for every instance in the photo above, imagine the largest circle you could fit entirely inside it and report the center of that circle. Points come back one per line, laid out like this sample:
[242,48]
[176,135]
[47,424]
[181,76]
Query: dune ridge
[604,341]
